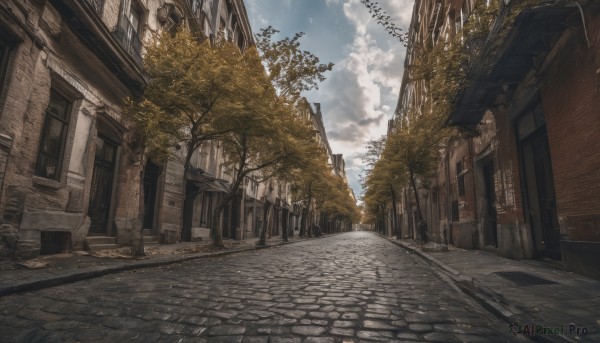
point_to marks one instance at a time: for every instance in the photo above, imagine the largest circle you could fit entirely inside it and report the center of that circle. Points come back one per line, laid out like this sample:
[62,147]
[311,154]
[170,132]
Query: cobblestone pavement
[350,287]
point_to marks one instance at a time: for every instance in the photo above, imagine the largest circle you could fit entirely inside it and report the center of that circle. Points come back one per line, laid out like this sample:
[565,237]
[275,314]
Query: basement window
[55,242]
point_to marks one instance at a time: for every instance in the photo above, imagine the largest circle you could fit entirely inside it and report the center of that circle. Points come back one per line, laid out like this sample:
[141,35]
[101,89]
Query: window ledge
[40,181]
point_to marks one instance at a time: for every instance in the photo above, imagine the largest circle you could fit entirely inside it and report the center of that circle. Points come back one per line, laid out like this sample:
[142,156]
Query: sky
[360,94]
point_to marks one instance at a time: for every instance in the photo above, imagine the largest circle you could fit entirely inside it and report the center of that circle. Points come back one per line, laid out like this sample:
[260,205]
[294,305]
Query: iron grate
[524,279]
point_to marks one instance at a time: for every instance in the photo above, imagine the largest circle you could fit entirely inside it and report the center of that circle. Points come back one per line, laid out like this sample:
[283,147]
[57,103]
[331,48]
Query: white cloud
[333,2]
[361,92]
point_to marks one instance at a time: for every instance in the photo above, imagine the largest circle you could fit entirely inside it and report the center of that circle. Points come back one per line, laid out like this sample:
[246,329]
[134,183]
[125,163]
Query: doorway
[151,174]
[102,184]
[540,204]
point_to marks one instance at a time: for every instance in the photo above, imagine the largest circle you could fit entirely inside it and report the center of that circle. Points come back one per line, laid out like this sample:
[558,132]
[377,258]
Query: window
[460,178]
[134,16]
[173,23]
[54,134]
[455,211]
[4,55]
[128,27]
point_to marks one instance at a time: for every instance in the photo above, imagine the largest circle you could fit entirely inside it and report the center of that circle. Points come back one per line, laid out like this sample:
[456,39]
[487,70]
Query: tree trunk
[267,217]
[395,225]
[217,232]
[284,225]
[422,226]
[137,225]
[186,166]
[310,218]
[303,220]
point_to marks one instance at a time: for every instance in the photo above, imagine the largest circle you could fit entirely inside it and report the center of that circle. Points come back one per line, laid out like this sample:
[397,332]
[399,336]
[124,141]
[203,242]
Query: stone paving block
[371,324]
[308,330]
[224,330]
[375,335]
[255,339]
[319,340]
[420,327]
[342,332]
[285,339]
[440,337]
[226,339]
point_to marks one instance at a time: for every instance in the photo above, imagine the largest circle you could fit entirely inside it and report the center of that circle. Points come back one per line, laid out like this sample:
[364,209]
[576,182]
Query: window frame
[66,122]
[10,44]
[74,97]
[4,61]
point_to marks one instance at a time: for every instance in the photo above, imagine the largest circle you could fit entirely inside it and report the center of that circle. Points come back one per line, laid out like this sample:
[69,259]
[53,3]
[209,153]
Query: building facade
[68,167]
[522,181]
[66,68]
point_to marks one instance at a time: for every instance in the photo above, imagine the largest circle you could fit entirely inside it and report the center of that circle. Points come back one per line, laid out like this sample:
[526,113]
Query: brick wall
[571,101]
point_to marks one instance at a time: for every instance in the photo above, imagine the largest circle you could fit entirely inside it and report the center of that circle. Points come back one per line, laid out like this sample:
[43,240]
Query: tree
[385,20]
[291,69]
[193,85]
[339,206]
[268,138]
[414,151]
[306,180]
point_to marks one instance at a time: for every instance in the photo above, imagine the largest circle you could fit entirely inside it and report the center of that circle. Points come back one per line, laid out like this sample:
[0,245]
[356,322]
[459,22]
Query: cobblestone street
[350,287]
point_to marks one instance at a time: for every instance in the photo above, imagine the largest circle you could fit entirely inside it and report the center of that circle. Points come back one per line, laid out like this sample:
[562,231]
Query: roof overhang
[535,31]
[206,182]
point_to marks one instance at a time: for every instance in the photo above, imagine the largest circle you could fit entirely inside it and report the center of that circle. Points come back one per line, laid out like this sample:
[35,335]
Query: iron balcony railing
[98,6]
[127,35]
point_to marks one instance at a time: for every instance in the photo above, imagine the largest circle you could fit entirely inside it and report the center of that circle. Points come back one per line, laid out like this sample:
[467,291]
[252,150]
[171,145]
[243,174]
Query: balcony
[129,39]
[97,5]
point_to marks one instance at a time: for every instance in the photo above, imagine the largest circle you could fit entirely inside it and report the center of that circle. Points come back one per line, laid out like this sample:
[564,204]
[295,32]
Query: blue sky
[361,92]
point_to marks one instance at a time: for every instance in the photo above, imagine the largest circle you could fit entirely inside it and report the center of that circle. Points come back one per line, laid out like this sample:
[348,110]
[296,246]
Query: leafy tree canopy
[291,69]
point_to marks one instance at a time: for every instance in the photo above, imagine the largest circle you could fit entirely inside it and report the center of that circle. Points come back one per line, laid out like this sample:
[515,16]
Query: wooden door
[102,184]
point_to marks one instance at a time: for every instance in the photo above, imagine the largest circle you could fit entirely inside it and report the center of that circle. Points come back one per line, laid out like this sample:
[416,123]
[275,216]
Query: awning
[206,182]
[535,32]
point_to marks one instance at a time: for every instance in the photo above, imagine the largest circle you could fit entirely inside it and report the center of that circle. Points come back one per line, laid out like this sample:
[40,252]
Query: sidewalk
[53,270]
[561,306]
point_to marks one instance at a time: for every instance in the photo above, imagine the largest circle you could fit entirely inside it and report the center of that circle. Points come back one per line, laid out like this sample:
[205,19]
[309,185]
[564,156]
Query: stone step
[94,240]
[27,253]
[98,247]
[150,238]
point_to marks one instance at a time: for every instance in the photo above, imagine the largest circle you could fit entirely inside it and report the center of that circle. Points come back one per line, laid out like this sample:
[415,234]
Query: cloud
[361,92]
[332,2]
[370,121]
[364,86]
